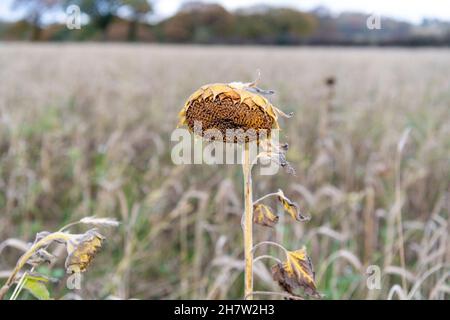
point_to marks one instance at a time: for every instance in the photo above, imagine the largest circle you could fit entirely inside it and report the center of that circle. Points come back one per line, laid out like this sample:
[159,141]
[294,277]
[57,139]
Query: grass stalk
[398,216]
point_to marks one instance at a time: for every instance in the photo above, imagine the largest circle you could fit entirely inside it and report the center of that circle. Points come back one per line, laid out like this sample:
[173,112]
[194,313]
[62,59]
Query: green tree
[137,9]
[291,25]
[275,26]
[198,22]
[101,12]
[34,11]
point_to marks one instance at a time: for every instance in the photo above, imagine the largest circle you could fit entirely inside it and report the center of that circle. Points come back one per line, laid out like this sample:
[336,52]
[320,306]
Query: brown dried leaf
[41,256]
[81,249]
[296,272]
[291,207]
[264,216]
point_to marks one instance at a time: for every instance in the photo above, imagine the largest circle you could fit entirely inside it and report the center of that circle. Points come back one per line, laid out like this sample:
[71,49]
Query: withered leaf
[264,216]
[296,272]
[81,249]
[291,207]
[285,164]
[41,256]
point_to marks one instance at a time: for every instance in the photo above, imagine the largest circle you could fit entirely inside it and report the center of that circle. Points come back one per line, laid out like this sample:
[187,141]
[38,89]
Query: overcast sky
[411,10]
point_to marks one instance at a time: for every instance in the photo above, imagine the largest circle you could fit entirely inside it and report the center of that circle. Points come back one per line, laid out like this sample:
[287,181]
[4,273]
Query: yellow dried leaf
[296,272]
[264,216]
[291,207]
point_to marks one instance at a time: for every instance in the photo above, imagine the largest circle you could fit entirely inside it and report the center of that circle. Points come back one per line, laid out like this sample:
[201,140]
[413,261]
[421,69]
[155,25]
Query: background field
[85,130]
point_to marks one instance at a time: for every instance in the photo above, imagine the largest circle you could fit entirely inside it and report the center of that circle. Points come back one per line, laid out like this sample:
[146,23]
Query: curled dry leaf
[264,216]
[285,164]
[277,153]
[40,235]
[41,256]
[291,207]
[81,249]
[296,272]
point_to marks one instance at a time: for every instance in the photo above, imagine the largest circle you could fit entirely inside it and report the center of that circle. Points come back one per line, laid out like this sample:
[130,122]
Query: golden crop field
[85,131]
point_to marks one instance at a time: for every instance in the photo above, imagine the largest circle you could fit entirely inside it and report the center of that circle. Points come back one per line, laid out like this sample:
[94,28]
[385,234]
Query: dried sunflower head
[230,107]
[81,249]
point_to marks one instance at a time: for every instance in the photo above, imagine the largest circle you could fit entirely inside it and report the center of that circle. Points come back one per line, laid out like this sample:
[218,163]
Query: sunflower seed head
[232,106]
[81,250]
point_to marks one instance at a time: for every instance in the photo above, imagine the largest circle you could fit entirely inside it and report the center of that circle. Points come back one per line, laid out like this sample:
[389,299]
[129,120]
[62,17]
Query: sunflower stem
[248,223]
[273,194]
[27,255]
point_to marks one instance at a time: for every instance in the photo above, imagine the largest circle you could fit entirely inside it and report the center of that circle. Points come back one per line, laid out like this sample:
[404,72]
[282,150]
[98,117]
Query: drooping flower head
[232,106]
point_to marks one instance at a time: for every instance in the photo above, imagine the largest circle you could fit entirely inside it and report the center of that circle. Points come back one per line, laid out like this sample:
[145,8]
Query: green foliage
[203,24]
[195,22]
[100,11]
[138,6]
[104,12]
[34,11]
[278,25]
[209,23]
[36,285]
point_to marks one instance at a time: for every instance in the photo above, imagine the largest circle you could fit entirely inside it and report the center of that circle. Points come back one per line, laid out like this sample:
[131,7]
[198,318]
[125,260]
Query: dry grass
[84,130]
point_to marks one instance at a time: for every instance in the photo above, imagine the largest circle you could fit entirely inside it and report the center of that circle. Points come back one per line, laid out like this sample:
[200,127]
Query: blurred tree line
[102,14]
[197,22]
[211,23]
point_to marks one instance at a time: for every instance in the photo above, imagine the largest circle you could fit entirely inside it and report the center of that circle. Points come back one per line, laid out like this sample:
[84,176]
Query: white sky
[411,10]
